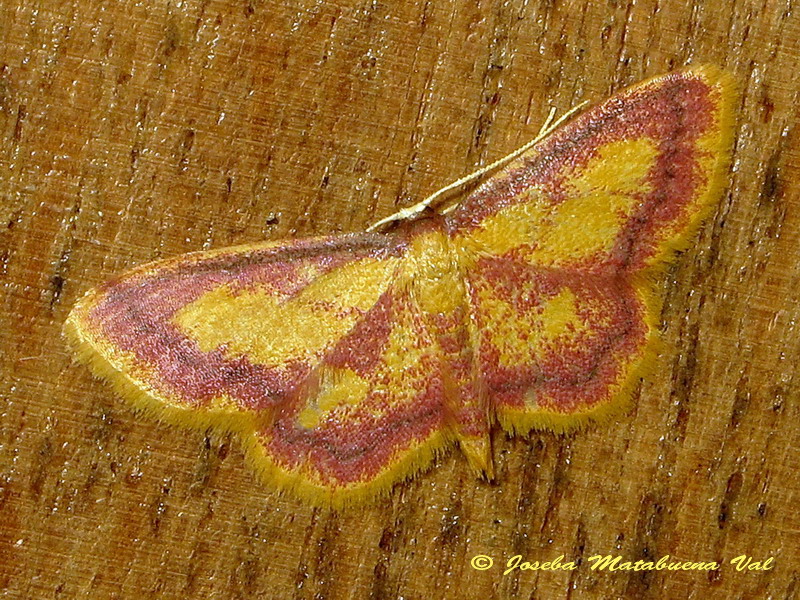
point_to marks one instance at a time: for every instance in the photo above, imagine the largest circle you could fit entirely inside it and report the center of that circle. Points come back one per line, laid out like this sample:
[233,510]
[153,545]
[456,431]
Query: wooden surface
[133,131]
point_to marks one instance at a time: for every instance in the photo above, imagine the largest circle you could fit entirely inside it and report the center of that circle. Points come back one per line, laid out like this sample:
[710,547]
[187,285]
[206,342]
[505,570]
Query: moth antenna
[547,128]
[547,121]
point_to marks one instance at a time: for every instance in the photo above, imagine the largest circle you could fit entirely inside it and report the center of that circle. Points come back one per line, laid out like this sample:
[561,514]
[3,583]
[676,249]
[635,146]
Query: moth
[346,363]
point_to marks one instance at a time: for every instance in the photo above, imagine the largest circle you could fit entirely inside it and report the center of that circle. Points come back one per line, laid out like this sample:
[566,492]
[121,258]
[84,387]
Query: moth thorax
[433,273]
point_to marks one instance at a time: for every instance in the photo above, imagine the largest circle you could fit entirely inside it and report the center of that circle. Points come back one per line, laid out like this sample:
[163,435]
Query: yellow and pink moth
[346,363]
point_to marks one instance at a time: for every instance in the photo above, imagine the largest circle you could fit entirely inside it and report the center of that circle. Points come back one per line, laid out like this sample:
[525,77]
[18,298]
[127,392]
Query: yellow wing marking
[397,380]
[557,318]
[272,330]
[598,199]
[337,387]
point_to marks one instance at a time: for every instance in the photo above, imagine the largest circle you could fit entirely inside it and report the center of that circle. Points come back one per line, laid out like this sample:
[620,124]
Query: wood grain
[138,130]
